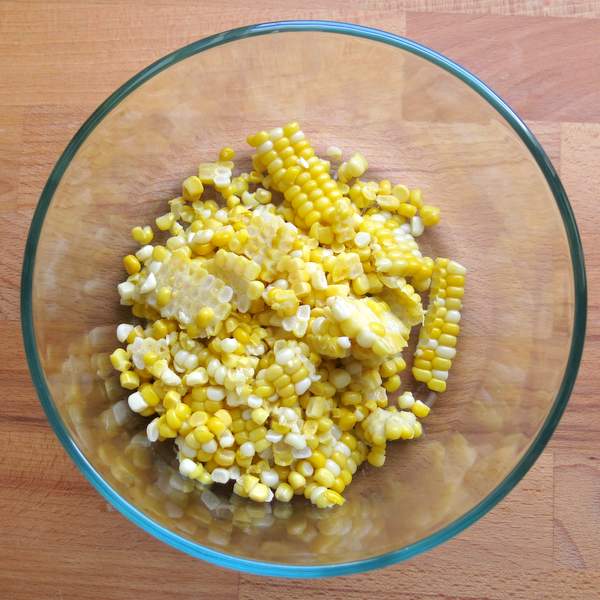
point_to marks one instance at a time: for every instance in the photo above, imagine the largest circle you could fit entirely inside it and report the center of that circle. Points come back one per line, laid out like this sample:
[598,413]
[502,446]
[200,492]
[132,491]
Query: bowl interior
[417,124]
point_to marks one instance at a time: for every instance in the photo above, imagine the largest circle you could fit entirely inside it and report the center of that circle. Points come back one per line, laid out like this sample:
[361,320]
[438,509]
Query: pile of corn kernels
[272,321]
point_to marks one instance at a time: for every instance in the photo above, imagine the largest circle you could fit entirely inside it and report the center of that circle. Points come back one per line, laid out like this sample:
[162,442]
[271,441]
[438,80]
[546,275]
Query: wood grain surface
[58,61]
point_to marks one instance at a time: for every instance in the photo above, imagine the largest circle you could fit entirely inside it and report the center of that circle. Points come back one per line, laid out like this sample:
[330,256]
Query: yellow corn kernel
[453,303]
[428,354]
[198,418]
[142,235]
[324,477]
[257,434]
[150,358]
[165,431]
[401,192]
[224,416]
[150,396]
[163,296]
[392,384]
[419,363]
[182,411]
[226,153]
[296,480]
[441,364]
[436,385]
[171,399]
[347,421]
[376,457]
[132,264]
[317,459]
[165,222]
[421,375]
[416,198]
[259,493]
[260,415]
[430,215]
[120,360]
[203,434]
[130,380]
[349,440]
[222,237]
[160,253]
[388,368]
[192,189]
[407,210]
[212,406]
[205,316]
[360,285]
[224,457]
[159,329]
[264,391]
[447,340]
[255,290]
[420,409]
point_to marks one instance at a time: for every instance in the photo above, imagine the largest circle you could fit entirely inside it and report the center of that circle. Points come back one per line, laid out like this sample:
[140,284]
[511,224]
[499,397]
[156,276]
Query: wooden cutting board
[59,539]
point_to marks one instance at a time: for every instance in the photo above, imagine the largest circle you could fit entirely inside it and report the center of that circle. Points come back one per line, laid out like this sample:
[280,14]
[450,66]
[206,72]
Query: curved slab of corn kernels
[437,339]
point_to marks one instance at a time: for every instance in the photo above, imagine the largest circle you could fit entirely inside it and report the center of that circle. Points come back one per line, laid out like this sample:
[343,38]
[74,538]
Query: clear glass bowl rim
[325,570]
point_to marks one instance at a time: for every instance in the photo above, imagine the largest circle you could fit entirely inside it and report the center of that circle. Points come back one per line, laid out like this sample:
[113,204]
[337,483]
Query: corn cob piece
[181,288]
[437,339]
[383,425]
[269,238]
[305,182]
[325,335]
[404,302]
[240,274]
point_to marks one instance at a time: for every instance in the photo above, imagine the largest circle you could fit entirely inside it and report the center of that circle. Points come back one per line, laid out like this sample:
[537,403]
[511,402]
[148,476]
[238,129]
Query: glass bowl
[421,120]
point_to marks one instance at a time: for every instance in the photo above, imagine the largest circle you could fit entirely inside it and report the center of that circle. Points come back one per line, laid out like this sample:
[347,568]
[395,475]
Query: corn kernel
[129,380]
[131,264]
[192,189]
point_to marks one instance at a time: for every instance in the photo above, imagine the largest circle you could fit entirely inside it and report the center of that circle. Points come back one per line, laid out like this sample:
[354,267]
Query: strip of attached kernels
[304,179]
[200,300]
[437,339]
[241,275]
[370,323]
[269,239]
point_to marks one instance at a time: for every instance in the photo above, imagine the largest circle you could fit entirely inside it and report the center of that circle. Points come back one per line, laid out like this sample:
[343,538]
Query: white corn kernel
[302,386]
[197,377]
[229,345]
[209,447]
[126,290]
[295,440]
[453,316]
[123,331]
[362,239]
[215,393]
[169,377]
[152,430]
[187,467]
[136,402]
[144,253]
[220,475]
[247,449]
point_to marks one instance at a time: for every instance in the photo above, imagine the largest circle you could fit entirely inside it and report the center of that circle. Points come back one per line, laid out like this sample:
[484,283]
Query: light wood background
[58,538]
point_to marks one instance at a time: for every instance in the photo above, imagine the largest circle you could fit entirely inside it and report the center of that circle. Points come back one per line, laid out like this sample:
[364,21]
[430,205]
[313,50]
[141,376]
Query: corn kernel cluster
[271,333]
